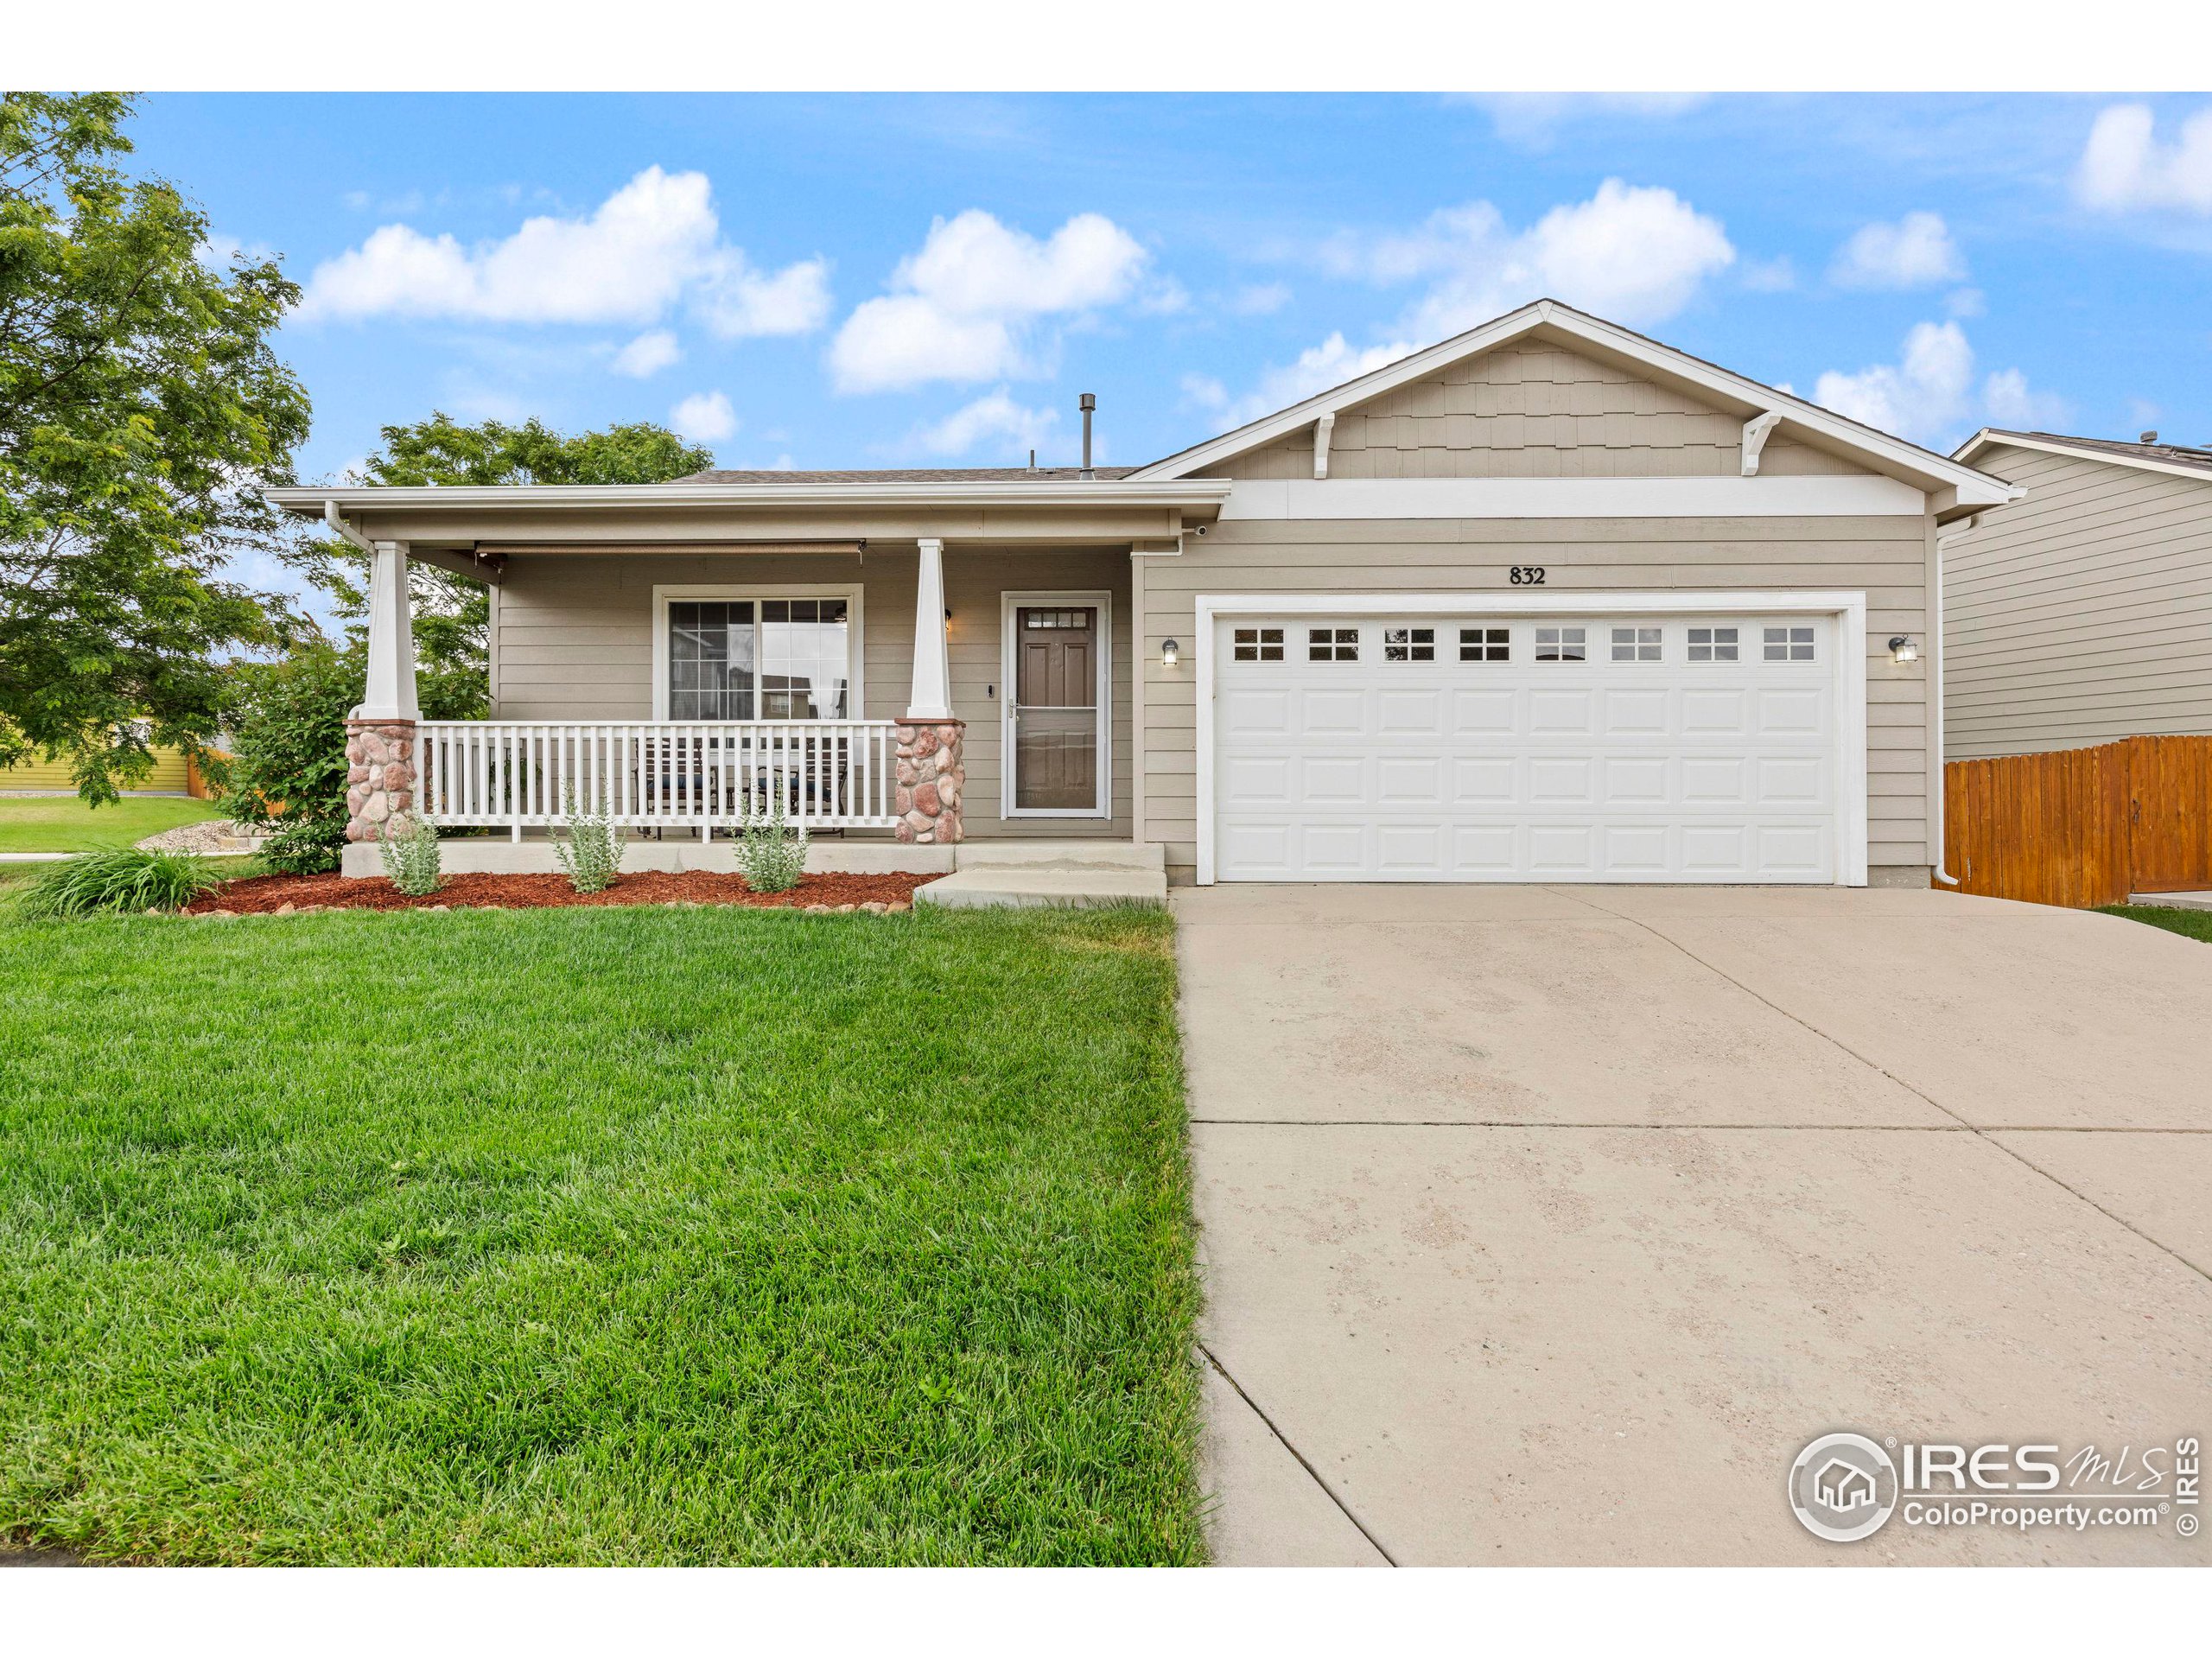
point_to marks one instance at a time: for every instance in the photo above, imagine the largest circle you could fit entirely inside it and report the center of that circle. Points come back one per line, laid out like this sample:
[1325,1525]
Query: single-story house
[2083,613]
[1549,601]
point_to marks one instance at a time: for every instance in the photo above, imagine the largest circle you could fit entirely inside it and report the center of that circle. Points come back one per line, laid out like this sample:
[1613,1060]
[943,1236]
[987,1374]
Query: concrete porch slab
[2173,900]
[1004,886]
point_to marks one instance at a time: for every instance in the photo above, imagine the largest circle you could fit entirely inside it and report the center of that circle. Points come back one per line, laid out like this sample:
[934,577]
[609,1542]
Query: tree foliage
[142,409]
[452,614]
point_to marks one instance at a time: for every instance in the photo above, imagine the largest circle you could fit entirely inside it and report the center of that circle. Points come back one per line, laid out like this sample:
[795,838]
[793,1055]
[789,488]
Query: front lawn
[2196,924]
[596,1236]
[63,823]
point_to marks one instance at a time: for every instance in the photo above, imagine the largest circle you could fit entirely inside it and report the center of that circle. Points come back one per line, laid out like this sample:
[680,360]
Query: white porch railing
[702,775]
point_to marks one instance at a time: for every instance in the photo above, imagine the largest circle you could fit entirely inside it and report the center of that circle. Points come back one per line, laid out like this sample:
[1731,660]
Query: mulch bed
[265,894]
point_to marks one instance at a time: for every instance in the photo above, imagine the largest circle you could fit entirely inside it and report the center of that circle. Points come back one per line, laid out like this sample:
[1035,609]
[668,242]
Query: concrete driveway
[1546,1225]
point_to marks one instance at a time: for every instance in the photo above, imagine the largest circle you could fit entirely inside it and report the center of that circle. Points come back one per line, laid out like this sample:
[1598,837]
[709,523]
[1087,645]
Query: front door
[1054,709]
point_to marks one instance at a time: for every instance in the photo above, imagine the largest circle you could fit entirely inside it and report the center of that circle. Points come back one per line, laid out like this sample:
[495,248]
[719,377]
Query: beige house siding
[1530,411]
[2082,614]
[572,639]
[1885,557]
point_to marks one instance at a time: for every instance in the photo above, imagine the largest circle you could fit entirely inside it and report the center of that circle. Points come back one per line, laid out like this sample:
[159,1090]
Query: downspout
[1942,790]
[336,521]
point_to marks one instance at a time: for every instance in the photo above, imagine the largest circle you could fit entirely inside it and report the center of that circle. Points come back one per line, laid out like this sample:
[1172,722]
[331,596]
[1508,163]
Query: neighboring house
[2083,613]
[1549,601]
[172,775]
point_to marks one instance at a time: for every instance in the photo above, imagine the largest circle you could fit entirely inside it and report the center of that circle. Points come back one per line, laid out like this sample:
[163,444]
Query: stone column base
[929,780]
[379,779]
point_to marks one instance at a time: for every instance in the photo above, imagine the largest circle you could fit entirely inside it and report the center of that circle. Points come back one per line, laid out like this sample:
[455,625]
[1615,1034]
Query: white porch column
[932,695]
[391,638]
[931,775]
[380,752]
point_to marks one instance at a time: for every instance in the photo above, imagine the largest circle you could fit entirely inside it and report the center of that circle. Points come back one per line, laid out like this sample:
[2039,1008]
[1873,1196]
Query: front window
[757,659]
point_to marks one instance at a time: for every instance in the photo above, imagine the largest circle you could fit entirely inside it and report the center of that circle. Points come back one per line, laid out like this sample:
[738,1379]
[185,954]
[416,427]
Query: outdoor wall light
[1170,653]
[1903,648]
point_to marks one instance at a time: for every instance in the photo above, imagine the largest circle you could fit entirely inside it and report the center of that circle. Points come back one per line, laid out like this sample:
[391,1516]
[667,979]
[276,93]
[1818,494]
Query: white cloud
[966,306]
[1914,253]
[994,416]
[1776,275]
[2124,166]
[704,417]
[1318,367]
[1965,302]
[1921,395]
[647,355]
[1533,120]
[1260,299]
[650,245]
[1636,254]
[1165,298]
[2009,401]
[1928,395]
[1203,392]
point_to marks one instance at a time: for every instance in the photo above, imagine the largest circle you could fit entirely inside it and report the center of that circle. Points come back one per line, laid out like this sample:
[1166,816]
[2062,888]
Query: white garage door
[1474,748]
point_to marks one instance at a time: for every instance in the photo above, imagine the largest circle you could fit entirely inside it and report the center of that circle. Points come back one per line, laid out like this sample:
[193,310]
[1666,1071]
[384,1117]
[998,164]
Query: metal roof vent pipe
[1088,404]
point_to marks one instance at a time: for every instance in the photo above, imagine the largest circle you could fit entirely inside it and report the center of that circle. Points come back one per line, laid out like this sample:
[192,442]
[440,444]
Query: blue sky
[877,281]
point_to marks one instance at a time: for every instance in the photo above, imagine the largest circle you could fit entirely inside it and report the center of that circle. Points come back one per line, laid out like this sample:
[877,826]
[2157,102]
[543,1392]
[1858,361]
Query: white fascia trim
[852,593]
[1011,600]
[1987,439]
[1721,497]
[1848,606]
[1975,488]
[1119,492]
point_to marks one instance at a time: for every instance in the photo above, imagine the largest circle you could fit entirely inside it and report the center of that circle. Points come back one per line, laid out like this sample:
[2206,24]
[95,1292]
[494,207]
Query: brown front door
[1055,707]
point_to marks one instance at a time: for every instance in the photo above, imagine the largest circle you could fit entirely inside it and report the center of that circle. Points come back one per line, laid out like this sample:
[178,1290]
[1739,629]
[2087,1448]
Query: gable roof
[2183,459]
[1730,391]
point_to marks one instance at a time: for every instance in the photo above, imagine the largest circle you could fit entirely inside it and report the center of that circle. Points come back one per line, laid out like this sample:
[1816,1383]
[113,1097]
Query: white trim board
[1723,497]
[1848,607]
[1010,600]
[855,626]
[1739,395]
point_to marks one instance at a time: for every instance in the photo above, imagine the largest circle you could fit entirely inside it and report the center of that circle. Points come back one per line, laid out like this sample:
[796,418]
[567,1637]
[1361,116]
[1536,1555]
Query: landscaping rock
[876,907]
[288,910]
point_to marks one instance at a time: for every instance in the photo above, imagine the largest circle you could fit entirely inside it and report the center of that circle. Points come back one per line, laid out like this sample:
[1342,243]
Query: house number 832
[1528,576]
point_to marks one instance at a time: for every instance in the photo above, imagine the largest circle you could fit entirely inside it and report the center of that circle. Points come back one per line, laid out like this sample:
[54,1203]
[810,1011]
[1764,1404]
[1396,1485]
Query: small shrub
[126,880]
[770,855]
[411,860]
[589,854]
[304,848]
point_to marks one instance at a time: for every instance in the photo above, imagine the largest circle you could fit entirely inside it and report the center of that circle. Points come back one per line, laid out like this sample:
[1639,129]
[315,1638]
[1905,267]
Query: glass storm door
[1055,709]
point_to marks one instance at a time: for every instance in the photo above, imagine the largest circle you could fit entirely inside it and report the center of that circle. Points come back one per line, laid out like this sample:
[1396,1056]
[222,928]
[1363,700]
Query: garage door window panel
[1332,645]
[1486,645]
[1713,645]
[1563,645]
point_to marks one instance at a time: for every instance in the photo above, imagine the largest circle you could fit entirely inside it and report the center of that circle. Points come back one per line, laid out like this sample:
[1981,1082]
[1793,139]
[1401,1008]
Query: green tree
[452,615]
[142,410]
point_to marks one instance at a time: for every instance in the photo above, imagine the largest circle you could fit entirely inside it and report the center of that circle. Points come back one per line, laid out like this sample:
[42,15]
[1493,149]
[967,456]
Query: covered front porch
[897,694]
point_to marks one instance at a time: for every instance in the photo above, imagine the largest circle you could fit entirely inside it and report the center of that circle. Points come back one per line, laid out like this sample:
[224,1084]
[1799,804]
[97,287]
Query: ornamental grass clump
[771,857]
[124,880]
[590,855]
[411,859]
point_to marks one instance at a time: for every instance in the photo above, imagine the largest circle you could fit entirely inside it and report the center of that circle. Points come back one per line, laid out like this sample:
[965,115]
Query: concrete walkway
[1546,1225]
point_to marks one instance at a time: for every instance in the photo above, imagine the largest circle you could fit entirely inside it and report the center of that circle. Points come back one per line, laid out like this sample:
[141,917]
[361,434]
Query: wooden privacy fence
[2083,827]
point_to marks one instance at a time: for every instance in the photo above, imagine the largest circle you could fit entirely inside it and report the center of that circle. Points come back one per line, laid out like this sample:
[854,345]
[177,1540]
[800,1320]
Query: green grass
[56,824]
[596,1236]
[2194,924]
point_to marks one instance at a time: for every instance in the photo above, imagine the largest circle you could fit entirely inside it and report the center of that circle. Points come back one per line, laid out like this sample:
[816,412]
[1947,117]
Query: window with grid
[1257,645]
[1789,645]
[1037,618]
[1486,645]
[757,659]
[1713,645]
[1332,645]
[1636,645]
[1563,645]
[1409,644]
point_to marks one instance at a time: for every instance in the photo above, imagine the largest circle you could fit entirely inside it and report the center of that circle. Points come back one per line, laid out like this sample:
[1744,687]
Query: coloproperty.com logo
[1844,1487]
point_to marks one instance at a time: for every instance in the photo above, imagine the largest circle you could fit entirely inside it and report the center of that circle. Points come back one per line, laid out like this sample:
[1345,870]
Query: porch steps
[999,875]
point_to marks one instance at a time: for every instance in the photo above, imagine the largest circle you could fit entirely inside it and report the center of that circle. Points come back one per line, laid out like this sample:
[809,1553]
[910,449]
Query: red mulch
[260,894]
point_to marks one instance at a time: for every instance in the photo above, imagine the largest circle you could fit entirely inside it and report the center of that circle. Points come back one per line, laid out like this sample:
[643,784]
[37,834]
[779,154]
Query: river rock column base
[929,780]
[379,779]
